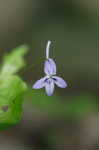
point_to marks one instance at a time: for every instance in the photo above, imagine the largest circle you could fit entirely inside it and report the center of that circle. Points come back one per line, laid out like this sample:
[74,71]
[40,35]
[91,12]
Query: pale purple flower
[50,78]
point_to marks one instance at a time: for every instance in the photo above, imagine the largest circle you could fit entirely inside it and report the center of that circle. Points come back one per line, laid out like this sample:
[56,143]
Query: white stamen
[47,49]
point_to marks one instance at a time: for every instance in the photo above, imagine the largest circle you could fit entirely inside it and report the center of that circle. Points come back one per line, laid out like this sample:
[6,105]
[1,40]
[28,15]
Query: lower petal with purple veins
[59,82]
[40,83]
[49,87]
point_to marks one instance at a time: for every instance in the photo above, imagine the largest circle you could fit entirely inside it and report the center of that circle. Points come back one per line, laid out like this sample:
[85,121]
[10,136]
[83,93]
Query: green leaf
[14,61]
[12,90]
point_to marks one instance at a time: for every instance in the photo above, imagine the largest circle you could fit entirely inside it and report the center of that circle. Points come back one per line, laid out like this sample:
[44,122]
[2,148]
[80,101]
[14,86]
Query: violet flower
[50,78]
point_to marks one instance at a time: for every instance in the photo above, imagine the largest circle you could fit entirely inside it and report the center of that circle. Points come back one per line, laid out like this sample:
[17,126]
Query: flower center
[49,76]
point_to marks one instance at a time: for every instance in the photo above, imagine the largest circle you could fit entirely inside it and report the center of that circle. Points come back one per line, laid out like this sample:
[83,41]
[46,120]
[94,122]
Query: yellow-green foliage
[12,88]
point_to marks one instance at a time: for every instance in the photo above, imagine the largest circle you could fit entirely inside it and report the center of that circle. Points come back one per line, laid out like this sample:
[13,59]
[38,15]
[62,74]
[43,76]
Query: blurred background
[69,120]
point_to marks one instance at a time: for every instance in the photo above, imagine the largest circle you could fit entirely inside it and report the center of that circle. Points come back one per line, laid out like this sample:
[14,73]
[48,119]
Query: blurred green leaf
[55,106]
[12,89]
[14,61]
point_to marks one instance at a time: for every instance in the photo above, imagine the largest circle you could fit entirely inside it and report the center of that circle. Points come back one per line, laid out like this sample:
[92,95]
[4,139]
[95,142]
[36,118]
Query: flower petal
[59,82]
[50,67]
[40,83]
[49,87]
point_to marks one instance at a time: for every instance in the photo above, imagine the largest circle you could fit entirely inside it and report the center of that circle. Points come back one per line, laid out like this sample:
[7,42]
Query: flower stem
[47,49]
